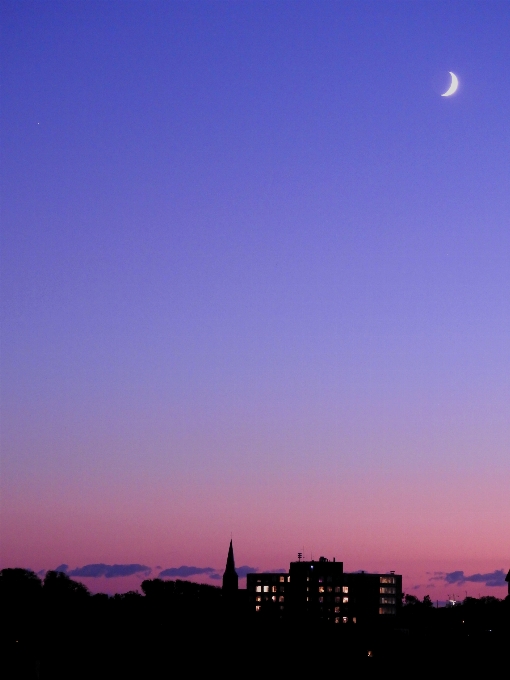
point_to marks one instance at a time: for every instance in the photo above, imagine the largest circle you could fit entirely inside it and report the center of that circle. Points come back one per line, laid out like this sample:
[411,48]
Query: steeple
[230,578]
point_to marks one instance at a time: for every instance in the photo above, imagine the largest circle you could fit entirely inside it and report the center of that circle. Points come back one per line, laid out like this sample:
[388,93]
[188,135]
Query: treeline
[471,617]
[55,628]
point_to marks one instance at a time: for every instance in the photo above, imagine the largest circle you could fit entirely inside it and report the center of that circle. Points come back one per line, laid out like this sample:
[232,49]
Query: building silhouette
[320,592]
[230,578]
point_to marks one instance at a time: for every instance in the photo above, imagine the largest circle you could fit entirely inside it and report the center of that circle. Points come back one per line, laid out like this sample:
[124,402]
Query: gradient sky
[256,280]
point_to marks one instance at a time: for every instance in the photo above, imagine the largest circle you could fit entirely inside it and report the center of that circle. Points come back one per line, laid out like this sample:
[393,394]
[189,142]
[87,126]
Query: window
[282,588]
[337,599]
[321,589]
[345,619]
[337,619]
[387,600]
[354,619]
[257,608]
[282,579]
[321,580]
[384,590]
[307,589]
[258,589]
[258,598]
[345,599]
[321,599]
[274,598]
[273,589]
[345,589]
[387,610]
[329,579]
[307,578]
[337,589]
[266,589]
[281,598]
[337,610]
[387,579]
[329,589]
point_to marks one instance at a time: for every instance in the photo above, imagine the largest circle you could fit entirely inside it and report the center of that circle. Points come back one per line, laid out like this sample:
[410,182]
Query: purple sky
[256,279]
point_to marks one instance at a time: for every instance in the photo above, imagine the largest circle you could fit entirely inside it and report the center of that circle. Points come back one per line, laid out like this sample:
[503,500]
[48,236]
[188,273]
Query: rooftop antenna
[299,556]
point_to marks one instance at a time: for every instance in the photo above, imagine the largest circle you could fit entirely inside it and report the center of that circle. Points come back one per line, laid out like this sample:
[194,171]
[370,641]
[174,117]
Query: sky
[255,277]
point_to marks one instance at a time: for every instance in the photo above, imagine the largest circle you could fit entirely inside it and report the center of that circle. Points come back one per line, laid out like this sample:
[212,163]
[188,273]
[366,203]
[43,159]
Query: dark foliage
[57,630]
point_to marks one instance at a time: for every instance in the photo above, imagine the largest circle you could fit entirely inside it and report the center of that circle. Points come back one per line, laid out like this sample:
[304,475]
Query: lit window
[387,610]
[321,580]
[345,599]
[258,599]
[273,589]
[266,589]
[354,619]
[337,619]
[307,578]
[337,589]
[387,600]
[329,589]
[387,591]
[321,589]
[307,589]
[257,608]
[337,599]
[387,579]
[337,610]
[345,589]
[281,598]
[307,599]
[288,579]
[258,589]
[345,619]
[321,599]
[274,598]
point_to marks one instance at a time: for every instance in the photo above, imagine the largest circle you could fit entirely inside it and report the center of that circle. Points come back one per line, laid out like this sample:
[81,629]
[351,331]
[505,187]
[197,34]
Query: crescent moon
[453,87]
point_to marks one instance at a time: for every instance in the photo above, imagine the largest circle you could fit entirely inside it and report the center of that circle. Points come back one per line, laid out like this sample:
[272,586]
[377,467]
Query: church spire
[230,578]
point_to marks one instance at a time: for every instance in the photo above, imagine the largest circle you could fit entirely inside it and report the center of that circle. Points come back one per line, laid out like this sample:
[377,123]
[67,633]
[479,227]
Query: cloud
[215,574]
[245,569]
[109,570]
[493,579]
[187,571]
